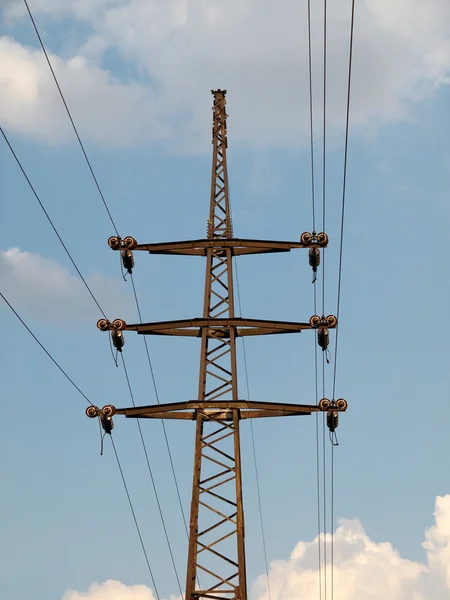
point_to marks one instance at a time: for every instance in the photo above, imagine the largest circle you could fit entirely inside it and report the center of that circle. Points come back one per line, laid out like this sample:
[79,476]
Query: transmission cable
[311,119]
[316,380]
[51,222]
[324,484]
[344,190]
[313,202]
[45,349]
[158,402]
[255,462]
[324,143]
[112,441]
[324,156]
[134,518]
[70,116]
[152,478]
[341,242]
[111,219]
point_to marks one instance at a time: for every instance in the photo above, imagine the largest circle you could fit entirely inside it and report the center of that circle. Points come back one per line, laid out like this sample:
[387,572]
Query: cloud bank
[363,569]
[44,288]
[111,590]
[165,56]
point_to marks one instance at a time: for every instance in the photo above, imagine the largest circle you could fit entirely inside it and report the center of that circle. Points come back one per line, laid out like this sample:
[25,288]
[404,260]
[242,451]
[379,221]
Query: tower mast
[216,553]
[217,516]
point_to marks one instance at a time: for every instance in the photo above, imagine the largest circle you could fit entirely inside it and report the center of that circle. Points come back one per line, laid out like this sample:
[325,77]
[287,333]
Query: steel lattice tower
[216,554]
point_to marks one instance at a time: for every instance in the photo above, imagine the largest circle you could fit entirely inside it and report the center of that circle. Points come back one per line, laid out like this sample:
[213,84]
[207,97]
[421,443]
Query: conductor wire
[172,466]
[135,519]
[50,221]
[255,462]
[341,243]
[45,350]
[311,117]
[324,143]
[344,191]
[316,379]
[70,116]
[152,479]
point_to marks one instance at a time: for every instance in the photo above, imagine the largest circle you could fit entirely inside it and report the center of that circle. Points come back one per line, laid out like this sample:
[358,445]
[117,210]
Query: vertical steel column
[216,544]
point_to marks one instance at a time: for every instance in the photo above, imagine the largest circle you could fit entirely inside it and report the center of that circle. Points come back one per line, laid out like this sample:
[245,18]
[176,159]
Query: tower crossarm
[247,408]
[239,247]
[219,328]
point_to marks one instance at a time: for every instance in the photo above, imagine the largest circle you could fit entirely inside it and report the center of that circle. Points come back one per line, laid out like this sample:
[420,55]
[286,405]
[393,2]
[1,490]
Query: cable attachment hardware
[116,243]
[117,339]
[323,338]
[332,423]
[314,261]
[127,260]
[326,405]
[332,420]
[117,335]
[106,418]
[116,328]
[105,415]
[323,324]
[92,412]
[314,239]
[103,325]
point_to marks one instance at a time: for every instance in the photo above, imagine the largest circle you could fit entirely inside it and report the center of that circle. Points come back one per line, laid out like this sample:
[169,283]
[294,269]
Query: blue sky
[137,78]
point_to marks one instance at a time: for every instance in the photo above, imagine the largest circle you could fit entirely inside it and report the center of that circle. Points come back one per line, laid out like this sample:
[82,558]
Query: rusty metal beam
[246,407]
[238,247]
[218,327]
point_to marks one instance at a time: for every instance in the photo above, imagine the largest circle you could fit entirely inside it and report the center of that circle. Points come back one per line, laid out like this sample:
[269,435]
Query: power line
[341,242]
[134,518]
[344,189]
[112,441]
[325,15]
[332,521]
[116,230]
[152,479]
[162,422]
[45,350]
[255,462]
[324,144]
[114,225]
[316,379]
[324,467]
[70,117]
[51,222]
[311,133]
[172,465]
[60,368]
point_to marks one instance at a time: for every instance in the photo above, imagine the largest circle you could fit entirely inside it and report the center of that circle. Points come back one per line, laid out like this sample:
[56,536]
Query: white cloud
[256,48]
[437,542]
[111,590]
[363,569]
[44,288]
[30,104]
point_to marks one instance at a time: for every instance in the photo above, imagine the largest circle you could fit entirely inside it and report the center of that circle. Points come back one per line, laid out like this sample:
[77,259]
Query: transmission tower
[216,532]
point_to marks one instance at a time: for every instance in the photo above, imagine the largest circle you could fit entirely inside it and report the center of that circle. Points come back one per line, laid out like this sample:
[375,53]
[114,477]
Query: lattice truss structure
[216,510]
[216,555]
